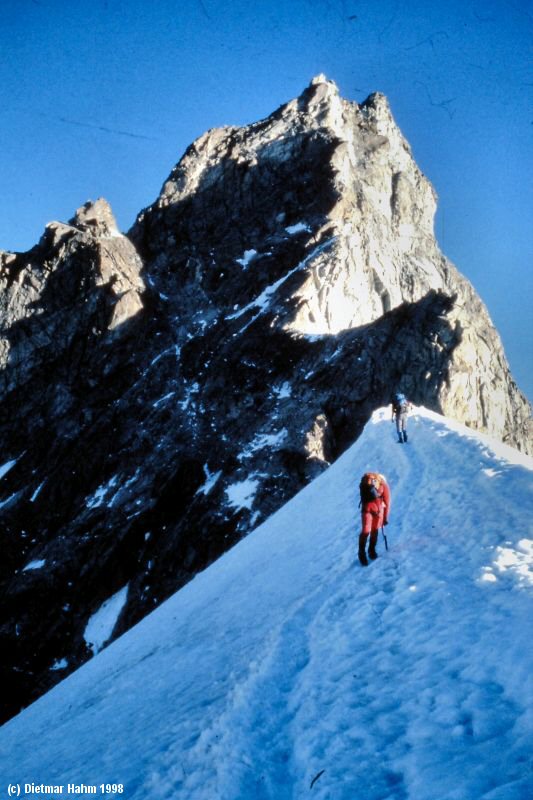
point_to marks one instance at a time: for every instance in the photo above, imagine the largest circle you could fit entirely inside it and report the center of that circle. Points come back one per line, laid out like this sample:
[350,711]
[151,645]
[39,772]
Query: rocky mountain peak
[165,391]
[320,92]
[321,78]
[377,108]
[97,218]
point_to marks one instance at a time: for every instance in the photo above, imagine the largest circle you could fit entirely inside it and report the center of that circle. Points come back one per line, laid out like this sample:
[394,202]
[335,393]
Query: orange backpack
[370,486]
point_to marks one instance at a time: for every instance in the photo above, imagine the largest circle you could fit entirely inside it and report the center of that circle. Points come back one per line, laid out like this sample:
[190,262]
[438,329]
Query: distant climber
[400,409]
[375,507]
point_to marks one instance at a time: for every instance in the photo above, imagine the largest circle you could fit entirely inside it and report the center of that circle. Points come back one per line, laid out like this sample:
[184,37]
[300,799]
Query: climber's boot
[372,547]
[362,550]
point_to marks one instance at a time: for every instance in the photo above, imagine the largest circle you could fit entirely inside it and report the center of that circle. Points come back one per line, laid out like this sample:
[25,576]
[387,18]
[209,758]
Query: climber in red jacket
[375,508]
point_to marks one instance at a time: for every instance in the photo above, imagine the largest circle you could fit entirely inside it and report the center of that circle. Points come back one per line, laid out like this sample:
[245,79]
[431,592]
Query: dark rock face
[164,393]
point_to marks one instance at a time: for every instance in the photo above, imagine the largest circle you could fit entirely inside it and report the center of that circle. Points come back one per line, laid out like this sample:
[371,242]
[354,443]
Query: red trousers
[372,515]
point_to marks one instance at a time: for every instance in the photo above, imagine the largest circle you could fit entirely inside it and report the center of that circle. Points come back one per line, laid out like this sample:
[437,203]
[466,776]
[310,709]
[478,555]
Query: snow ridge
[286,666]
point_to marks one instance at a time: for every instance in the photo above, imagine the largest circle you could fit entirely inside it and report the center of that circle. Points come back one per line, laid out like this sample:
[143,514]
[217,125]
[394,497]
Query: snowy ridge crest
[406,679]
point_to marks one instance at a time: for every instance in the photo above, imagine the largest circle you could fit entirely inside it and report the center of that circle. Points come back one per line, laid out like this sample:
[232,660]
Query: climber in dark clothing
[400,409]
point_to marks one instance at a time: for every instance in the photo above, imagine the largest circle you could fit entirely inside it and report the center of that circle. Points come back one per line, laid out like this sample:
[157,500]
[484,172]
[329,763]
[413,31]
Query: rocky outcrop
[82,279]
[164,392]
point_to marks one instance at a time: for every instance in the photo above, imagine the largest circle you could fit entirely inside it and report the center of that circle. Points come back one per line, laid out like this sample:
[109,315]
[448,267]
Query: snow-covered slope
[286,670]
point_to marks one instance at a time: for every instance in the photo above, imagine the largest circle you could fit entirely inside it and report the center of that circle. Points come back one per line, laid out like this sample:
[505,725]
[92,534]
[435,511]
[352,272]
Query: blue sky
[101,98]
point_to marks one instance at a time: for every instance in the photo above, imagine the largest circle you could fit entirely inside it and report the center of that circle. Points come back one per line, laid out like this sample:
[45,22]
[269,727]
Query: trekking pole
[386,543]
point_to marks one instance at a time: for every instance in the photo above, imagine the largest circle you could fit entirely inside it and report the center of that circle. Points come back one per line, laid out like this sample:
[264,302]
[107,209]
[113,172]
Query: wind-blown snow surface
[286,670]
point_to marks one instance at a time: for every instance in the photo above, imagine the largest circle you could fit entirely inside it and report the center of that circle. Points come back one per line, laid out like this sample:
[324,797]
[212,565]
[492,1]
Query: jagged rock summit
[342,171]
[165,391]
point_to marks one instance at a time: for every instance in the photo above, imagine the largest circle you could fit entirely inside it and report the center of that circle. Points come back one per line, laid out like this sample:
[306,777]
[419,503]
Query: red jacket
[375,513]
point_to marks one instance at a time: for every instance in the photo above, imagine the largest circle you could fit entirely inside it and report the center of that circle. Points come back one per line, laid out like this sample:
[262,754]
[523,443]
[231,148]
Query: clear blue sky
[101,98]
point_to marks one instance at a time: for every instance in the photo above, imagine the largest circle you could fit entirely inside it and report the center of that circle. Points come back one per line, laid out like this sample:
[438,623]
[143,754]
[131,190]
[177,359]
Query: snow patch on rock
[241,495]
[4,469]
[37,564]
[100,626]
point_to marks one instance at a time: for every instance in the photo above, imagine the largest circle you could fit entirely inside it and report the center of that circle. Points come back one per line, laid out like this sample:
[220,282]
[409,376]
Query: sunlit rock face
[340,179]
[50,297]
[166,391]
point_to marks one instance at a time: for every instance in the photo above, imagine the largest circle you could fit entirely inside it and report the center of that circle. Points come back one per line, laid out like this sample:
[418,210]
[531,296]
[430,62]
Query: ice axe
[385,538]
